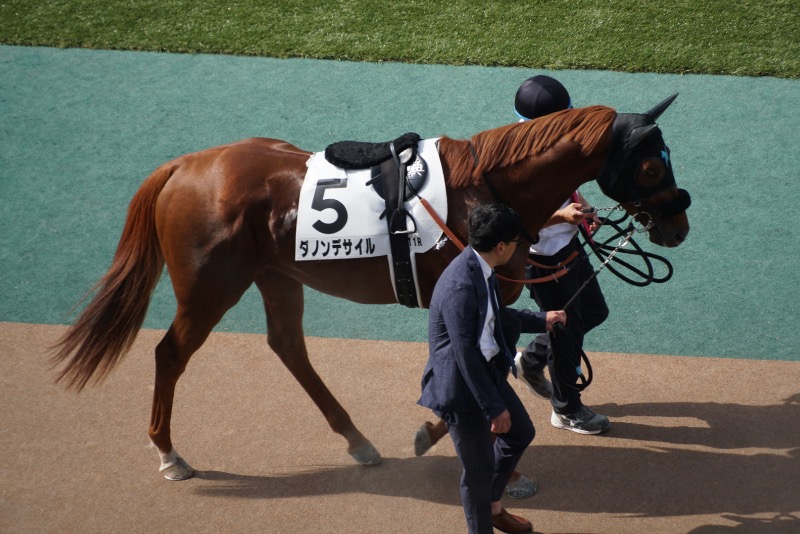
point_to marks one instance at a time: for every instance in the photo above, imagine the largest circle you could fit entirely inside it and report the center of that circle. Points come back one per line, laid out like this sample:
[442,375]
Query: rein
[603,250]
[607,253]
[563,341]
[563,269]
[561,338]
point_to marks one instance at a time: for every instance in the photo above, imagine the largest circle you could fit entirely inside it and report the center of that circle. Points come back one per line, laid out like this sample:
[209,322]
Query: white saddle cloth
[338,213]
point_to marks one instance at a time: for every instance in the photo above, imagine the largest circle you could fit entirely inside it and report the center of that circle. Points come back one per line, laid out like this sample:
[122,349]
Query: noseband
[671,208]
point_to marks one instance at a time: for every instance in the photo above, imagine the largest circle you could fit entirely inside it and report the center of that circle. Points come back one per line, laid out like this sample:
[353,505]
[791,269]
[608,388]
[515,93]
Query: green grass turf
[750,38]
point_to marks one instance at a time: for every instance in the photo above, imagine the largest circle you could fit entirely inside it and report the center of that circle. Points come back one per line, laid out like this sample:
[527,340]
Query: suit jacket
[457,377]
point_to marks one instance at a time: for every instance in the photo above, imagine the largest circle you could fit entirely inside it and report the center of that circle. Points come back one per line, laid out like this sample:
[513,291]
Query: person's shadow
[667,479]
[717,425]
[779,524]
[662,481]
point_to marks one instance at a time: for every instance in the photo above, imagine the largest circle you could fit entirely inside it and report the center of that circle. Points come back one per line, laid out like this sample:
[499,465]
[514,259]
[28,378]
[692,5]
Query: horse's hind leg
[283,301]
[200,307]
[172,355]
[184,337]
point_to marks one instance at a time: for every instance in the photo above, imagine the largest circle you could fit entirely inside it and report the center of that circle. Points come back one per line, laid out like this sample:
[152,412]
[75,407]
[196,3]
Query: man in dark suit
[471,334]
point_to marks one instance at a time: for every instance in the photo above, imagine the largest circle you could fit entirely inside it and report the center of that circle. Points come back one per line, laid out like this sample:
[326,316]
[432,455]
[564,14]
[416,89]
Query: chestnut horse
[225,218]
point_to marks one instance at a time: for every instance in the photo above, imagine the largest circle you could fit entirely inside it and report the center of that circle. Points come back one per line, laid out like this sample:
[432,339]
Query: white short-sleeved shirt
[554,238]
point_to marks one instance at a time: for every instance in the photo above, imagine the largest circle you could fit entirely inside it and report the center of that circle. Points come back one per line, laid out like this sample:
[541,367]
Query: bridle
[603,250]
[665,210]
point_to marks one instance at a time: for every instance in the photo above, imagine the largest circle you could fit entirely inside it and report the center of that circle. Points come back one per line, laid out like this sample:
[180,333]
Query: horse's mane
[506,145]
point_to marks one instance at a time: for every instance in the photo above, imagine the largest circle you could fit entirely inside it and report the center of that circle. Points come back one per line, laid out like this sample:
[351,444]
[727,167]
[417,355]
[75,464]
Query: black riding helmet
[539,96]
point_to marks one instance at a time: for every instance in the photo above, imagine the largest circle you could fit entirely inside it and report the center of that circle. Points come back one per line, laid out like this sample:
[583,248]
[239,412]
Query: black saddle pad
[362,155]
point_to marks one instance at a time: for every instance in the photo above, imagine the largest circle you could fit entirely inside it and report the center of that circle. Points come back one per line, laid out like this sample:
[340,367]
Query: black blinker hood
[634,138]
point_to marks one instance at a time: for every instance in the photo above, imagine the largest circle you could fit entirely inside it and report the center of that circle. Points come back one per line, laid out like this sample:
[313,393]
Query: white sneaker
[583,421]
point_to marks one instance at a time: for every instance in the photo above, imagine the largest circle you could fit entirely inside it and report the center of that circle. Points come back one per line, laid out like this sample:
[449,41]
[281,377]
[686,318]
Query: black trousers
[587,311]
[487,464]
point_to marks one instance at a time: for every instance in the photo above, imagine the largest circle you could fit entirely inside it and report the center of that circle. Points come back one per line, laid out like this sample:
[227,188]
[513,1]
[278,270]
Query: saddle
[397,173]
[362,155]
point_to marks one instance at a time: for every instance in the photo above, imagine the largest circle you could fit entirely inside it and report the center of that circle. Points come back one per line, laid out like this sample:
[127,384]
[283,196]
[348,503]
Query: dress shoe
[505,522]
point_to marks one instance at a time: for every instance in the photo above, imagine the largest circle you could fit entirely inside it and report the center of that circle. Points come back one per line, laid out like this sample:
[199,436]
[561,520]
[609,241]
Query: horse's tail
[107,327]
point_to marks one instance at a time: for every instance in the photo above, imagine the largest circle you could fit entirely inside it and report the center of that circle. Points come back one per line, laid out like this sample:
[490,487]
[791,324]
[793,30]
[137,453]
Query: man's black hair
[490,224]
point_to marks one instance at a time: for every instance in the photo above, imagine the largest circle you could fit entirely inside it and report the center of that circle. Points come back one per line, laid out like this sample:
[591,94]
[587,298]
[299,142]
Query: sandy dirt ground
[697,445]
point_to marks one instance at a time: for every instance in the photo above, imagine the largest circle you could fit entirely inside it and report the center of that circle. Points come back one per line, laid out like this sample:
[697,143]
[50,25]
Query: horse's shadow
[428,478]
[653,480]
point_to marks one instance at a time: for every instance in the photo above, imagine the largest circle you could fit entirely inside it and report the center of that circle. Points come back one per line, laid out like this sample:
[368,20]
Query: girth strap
[398,219]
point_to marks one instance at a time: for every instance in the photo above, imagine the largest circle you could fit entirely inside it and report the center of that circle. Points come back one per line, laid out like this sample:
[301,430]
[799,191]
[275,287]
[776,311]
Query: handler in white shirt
[539,96]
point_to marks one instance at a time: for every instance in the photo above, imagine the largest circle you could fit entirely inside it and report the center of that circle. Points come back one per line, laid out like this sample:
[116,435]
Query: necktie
[494,295]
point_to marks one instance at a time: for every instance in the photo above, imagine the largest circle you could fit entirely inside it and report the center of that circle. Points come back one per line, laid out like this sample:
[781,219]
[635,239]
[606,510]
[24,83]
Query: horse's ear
[654,113]
[640,133]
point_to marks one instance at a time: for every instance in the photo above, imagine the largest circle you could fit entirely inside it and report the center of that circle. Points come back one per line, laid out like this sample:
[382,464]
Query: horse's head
[638,174]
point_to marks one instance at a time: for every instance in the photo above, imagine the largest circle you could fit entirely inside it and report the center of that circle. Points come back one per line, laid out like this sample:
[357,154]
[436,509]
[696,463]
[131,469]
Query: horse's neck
[536,187]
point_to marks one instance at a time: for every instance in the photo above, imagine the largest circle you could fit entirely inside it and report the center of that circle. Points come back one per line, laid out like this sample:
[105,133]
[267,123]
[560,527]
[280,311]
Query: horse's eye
[650,173]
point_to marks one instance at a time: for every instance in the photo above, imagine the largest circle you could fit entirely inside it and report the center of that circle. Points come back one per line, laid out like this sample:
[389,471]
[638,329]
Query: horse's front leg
[429,435]
[283,302]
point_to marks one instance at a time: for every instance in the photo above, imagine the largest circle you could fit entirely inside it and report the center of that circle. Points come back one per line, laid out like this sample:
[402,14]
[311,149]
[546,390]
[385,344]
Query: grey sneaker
[535,380]
[583,421]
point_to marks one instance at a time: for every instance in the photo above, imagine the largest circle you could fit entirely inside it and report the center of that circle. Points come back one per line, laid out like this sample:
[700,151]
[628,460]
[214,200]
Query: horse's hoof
[422,440]
[522,488]
[180,470]
[366,455]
